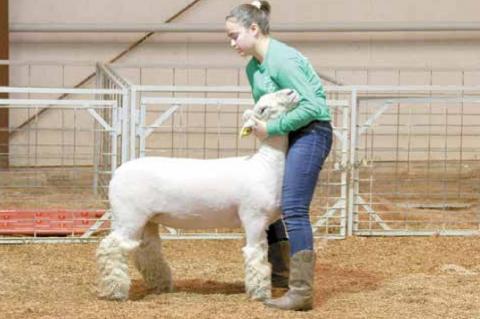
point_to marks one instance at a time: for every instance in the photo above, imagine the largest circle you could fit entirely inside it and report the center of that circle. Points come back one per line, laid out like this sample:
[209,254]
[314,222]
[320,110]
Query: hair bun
[262,5]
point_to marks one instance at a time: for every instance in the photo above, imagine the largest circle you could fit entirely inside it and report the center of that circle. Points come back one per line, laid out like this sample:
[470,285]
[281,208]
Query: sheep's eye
[262,109]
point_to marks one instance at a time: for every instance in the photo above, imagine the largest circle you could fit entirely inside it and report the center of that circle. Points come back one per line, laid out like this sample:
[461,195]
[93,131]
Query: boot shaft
[300,293]
[302,268]
[279,257]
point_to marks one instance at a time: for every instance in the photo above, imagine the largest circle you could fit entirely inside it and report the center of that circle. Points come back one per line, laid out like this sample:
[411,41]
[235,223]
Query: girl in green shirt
[275,66]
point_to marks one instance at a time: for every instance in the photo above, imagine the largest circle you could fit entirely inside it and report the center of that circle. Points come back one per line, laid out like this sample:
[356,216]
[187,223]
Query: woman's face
[241,39]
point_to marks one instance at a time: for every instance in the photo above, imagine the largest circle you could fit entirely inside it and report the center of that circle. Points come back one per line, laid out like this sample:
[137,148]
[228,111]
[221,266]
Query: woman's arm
[297,74]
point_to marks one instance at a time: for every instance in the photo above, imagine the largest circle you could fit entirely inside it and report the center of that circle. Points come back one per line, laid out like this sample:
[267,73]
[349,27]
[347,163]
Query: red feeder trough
[45,222]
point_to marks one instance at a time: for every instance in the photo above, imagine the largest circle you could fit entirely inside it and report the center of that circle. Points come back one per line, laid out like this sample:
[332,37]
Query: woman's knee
[297,216]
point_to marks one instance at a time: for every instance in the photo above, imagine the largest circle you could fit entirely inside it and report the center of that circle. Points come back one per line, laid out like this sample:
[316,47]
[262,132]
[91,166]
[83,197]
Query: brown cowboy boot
[300,293]
[279,257]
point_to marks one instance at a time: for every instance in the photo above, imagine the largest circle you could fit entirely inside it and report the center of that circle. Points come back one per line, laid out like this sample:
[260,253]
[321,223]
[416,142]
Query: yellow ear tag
[245,131]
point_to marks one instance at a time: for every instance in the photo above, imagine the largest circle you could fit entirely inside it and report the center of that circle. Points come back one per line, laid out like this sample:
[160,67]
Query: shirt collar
[262,66]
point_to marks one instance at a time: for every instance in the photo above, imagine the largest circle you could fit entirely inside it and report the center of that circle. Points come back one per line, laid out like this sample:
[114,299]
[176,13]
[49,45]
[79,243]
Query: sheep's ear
[247,115]
[294,98]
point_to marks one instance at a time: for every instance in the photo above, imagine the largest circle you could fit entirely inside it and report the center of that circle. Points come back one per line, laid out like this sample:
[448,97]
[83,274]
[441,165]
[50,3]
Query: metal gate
[60,156]
[415,161]
[388,173]
[208,127]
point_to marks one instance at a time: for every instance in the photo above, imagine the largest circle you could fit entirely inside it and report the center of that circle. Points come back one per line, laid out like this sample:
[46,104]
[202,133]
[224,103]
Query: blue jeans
[307,151]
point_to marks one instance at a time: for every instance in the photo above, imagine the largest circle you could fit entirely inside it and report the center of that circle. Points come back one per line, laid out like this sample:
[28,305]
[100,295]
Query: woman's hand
[260,129]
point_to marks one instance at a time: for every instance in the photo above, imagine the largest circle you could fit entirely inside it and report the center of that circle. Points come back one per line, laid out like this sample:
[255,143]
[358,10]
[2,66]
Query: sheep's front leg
[257,268]
[151,263]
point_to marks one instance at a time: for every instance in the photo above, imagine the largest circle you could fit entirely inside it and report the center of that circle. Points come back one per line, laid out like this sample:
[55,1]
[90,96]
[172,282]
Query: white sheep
[194,194]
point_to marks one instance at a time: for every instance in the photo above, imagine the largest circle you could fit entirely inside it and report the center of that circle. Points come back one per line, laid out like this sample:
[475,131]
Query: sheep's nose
[290,92]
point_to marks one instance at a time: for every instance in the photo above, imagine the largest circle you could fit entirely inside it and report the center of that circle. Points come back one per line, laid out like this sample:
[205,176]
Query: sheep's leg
[112,258]
[257,268]
[150,262]
[113,251]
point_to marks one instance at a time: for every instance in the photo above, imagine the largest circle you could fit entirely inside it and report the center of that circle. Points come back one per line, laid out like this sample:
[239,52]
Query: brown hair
[246,14]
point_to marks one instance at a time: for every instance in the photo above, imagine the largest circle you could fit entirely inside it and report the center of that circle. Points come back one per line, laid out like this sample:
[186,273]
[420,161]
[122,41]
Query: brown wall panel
[3,82]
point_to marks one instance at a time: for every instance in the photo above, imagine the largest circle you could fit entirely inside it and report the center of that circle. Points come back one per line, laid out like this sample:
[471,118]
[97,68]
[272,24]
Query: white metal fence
[369,140]
[405,159]
[215,138]
[416,162]
[60,155]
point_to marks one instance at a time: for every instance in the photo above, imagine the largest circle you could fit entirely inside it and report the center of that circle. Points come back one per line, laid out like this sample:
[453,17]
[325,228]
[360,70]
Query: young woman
[275,66]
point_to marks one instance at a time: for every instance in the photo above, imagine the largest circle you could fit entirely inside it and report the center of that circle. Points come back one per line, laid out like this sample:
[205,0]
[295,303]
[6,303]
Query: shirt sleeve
[292,73]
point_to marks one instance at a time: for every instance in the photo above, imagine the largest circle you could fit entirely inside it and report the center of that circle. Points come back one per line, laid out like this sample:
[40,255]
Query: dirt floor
[429,277]
[434,277]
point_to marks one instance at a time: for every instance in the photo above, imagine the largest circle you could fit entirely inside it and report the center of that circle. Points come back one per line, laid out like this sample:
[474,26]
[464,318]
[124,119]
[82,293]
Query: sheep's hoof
[113,293]
[113,297]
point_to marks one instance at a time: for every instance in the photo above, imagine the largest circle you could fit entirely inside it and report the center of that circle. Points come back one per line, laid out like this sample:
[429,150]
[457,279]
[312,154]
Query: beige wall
[447,58]
[333,53]
[113,11]
[328,51]
[91,11]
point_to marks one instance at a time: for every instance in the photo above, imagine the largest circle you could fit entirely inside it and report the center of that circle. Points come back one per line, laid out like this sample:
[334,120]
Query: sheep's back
[181,185]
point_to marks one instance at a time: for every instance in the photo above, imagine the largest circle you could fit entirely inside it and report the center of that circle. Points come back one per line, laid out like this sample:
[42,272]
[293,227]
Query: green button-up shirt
[285,68]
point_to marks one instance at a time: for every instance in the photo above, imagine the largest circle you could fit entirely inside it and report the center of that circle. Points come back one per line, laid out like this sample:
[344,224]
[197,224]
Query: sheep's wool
[190,193]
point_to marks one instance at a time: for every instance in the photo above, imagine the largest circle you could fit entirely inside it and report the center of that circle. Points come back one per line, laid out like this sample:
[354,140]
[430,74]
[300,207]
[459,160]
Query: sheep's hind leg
[257,268]
[151,263]
[112,266]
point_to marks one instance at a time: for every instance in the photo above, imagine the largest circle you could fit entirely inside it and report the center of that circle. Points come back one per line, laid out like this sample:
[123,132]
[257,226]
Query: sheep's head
[269,106]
